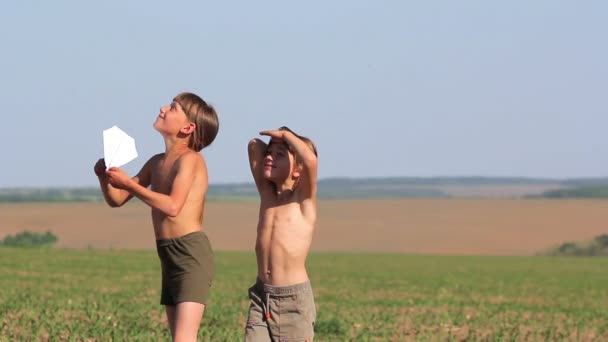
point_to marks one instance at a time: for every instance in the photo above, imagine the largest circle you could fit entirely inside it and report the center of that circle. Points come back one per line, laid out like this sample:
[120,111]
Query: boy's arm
[305,155]
[116,197]
[170,204]
[257,151]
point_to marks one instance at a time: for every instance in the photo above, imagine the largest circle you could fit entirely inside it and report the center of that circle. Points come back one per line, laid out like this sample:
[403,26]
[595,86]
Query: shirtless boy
[281,301]
[178,183]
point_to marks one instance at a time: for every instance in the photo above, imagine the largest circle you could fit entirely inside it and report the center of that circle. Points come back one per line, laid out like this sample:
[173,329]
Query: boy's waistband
[282,290]
[167,242]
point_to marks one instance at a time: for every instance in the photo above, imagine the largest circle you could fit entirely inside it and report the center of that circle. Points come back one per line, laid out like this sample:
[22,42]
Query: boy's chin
[160,129]
[156,126]
[272,178]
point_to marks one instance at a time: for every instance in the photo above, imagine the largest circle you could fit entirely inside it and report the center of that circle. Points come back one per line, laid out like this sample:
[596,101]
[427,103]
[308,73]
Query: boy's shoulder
[153,161]
[191,158]
[156,157]
[191,155]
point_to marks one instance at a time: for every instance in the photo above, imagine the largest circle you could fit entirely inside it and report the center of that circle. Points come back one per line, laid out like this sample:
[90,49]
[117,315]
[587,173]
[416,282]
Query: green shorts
[188,267]
[285,313]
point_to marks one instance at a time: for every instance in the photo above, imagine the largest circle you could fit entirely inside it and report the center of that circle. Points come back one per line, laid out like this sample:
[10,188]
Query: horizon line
[330,178]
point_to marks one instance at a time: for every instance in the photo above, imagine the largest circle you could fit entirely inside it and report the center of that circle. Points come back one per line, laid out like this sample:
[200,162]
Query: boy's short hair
[308,142]
[203,116]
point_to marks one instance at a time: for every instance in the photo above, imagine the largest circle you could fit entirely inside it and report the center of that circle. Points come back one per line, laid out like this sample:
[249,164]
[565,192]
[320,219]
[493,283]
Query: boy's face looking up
[171,119]
[279,163]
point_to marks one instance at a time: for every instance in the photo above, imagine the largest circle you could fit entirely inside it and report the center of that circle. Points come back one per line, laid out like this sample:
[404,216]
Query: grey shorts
[285,313]
[188,268]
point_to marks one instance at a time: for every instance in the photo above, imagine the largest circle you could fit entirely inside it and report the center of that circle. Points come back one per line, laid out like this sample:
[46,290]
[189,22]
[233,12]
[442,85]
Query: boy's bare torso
[190,218]
[284,235]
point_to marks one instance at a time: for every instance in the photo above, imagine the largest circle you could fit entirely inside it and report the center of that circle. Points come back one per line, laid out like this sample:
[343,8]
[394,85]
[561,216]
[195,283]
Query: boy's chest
[286,214]
[162,178]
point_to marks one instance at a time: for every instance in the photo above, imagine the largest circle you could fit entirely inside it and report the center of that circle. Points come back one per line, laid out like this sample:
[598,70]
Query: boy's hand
[274,134]
[118,178]
[100,168]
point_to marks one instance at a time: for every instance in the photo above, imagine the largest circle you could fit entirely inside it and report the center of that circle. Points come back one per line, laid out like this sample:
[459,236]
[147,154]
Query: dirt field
[500,227]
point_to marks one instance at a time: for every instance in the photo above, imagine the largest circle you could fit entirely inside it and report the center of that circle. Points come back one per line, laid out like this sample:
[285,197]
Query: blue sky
[385,88]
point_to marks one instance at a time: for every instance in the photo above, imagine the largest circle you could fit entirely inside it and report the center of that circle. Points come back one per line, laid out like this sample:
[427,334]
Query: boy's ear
[297,171]
[189,128]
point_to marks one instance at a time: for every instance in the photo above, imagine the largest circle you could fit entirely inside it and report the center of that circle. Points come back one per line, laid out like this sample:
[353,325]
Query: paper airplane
[118,147]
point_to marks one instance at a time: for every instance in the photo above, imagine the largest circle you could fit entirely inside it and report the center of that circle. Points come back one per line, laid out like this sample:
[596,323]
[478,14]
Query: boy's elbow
[112,203]
[115,204]
[252,146]
[255,144]
[173,211]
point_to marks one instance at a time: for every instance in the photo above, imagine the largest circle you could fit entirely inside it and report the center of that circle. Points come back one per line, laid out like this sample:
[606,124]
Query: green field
[78,295]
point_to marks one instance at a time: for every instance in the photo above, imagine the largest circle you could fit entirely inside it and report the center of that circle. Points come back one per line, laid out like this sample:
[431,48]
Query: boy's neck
[175,147]
[285,190]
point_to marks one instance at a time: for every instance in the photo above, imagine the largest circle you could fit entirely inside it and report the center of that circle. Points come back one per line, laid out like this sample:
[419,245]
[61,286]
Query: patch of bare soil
[436,226]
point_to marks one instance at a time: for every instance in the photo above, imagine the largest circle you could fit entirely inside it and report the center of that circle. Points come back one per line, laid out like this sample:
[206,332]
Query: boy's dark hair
[203,116]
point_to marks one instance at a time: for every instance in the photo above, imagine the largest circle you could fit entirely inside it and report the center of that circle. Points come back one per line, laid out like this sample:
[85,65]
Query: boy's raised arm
[171,204]
[257,151]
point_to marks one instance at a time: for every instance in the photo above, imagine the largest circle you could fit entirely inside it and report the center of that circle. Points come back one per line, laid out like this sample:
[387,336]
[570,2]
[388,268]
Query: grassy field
[103,295]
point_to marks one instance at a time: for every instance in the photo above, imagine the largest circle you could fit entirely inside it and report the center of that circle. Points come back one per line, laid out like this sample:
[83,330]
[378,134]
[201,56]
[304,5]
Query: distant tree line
[344,188]
[29,239]
[596,247]
[579,192]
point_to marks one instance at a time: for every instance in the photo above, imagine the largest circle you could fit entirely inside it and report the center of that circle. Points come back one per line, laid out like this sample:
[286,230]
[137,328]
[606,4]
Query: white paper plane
[118,147]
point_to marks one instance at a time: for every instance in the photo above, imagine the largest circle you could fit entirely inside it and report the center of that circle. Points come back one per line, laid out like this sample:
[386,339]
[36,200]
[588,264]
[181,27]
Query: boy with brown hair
[281,301]
[178,184]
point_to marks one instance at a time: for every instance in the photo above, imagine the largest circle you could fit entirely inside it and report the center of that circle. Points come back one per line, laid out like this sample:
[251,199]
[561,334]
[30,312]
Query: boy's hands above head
[100,168]
[274,134]
[118,178]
